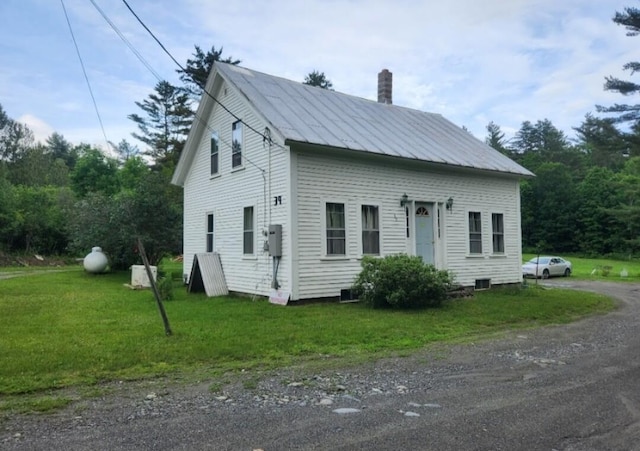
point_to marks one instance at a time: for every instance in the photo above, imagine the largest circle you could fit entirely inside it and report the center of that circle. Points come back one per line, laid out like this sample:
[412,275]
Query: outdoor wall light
[449,203]
[404,200]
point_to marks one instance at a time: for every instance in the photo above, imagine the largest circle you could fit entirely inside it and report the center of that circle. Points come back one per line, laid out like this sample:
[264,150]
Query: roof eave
[526,174]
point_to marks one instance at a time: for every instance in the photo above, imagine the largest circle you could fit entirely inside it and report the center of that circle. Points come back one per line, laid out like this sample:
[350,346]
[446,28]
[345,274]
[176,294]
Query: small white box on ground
[139,276]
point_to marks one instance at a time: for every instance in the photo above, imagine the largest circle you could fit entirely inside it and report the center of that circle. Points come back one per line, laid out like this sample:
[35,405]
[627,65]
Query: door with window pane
[424,232]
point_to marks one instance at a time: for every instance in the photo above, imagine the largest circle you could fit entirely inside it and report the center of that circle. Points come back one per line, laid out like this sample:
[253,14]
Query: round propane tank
[95,262]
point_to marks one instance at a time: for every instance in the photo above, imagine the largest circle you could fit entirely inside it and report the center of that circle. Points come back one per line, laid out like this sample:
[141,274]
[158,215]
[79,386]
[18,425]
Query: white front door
[424,232]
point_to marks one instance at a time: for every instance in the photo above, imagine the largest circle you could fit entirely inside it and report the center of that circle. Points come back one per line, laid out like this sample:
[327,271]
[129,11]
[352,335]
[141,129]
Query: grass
[75,330]
[601,268]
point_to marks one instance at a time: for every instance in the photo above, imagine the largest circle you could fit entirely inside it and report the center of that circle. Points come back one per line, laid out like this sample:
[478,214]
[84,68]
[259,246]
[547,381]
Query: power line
[126,41]
[84,71]
[264,137]
[148,66]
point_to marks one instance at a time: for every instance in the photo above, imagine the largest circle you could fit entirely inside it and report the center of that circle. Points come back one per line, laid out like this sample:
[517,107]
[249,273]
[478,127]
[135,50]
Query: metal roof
[308,114]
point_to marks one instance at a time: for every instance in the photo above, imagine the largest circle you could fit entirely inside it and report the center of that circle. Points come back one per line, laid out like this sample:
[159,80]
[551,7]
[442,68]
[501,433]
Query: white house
[341,177]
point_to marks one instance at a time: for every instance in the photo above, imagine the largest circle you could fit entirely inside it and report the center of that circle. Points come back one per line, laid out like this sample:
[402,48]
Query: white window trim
[217,135]
[253,254]
[380,228]
[323,228]
[504,235]
[482,234]
[206,231]
[242,146]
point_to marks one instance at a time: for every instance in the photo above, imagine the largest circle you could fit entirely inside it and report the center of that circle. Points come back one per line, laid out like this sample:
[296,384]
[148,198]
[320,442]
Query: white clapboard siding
[227,194]
[364,180]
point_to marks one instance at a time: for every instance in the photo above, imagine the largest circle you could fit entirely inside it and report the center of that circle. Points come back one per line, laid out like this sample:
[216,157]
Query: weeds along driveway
[568,387]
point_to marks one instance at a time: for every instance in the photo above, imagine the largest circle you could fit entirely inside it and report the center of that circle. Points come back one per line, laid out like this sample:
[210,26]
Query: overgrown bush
[401,281]
[115,222]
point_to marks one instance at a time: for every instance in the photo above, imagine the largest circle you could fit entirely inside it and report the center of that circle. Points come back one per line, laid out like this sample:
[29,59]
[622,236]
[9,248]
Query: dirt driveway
[570,387]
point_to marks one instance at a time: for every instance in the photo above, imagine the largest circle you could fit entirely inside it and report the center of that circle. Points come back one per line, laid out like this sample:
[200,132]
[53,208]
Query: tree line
[59,198]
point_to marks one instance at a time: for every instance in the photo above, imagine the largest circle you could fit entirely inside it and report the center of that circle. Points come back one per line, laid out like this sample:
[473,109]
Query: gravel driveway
[570,387]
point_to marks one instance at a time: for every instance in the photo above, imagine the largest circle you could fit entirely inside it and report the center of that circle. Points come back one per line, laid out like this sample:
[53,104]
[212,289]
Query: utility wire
[148,66]
[84,71]
[264,137]
[126,41]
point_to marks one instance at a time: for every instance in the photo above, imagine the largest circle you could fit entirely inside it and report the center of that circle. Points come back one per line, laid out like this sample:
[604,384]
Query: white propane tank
[95,262]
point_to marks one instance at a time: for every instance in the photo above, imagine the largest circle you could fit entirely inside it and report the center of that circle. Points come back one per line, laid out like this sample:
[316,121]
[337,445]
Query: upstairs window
[215,146]
[370,230]
[336,230]
[247,246]
[236,144]
[497,225]
[210,232]
[475,232]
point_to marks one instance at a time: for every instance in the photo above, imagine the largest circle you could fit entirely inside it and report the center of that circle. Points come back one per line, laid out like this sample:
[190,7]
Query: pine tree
[166,125]
[318,79]
[195,74]
[630,19]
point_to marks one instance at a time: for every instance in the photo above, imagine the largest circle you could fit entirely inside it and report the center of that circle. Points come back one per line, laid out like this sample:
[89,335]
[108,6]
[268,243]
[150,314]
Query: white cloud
[41,130]
[470,61]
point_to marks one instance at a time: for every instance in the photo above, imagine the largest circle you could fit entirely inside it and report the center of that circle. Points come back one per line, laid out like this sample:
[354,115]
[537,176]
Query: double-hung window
[475,232]
[370,230]
[210,232]
[497,225]
[335,229]
[215,149]
[248,231]
[236,144]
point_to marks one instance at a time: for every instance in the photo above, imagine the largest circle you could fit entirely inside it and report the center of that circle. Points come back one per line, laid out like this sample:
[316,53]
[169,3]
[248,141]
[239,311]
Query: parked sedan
[546,267]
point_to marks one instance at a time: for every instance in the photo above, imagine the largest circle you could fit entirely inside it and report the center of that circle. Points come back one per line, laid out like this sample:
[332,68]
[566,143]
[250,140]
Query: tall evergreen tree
[319,79]
[60,148]
[630,19]
[495,138]
[542,142]
[603,144]
[195,74]
[166,123]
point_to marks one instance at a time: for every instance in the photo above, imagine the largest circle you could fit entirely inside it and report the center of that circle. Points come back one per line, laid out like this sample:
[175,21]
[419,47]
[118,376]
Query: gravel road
[569,387]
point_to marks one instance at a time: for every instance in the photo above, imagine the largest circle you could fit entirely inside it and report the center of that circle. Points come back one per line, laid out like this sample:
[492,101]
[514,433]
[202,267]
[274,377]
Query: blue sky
[471,61]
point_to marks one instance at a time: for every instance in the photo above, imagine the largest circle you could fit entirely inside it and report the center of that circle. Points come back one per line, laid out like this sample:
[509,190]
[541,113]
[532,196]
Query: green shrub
[165,288]
[401,281]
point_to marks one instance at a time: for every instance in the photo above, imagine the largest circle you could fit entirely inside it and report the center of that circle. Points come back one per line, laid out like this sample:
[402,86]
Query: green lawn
[601,268]
[75,329]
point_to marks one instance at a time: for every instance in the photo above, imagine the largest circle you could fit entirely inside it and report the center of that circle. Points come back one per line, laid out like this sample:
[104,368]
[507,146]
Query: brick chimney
[385,82]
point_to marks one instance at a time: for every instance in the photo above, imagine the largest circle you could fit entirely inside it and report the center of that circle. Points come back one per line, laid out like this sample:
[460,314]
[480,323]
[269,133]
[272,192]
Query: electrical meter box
[275,240]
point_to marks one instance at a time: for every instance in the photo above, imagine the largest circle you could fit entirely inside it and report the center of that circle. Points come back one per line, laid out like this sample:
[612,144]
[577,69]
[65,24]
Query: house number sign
[277,200]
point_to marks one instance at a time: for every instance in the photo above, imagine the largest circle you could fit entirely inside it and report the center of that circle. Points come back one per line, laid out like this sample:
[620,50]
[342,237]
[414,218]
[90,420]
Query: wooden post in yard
[154,287]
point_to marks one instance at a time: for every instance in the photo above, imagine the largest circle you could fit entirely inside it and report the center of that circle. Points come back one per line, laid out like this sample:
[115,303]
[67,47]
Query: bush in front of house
[401,281]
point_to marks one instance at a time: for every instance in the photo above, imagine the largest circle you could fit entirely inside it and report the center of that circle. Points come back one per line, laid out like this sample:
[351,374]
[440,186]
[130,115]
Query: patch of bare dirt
[31,260]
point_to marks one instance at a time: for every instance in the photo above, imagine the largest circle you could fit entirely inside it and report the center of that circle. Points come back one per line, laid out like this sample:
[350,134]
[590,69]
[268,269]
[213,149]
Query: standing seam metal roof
[308,114]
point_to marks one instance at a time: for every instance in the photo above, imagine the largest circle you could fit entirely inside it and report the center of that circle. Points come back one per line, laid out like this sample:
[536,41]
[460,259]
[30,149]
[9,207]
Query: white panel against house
[322,178]
[228,193]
